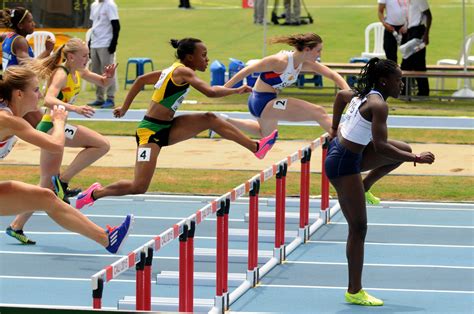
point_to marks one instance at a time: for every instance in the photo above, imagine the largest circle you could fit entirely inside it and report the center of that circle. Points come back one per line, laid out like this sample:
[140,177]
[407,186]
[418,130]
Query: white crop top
[285,78]
[355,128]
[6,146]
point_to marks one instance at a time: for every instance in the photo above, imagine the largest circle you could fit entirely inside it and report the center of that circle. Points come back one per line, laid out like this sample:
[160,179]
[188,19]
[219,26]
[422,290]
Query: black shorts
[154,131]
[340,161]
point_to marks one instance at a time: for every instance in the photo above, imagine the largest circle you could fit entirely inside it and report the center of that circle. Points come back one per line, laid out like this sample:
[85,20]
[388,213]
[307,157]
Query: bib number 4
[143,154]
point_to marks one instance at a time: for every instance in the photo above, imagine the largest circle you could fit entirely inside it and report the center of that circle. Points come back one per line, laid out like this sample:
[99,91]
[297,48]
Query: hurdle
[142,257]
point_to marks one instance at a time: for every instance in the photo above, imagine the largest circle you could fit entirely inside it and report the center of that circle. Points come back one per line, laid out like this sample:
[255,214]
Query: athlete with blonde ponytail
[19,94]
[64,70]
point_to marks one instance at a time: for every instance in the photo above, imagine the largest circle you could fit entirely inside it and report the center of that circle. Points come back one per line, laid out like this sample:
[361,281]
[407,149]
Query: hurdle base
[235,255]
[264,236]
[290,217]
[200,278]
[165,304]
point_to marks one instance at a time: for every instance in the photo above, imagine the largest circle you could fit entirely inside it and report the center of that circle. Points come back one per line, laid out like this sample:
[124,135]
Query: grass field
[215,182]
[228,31]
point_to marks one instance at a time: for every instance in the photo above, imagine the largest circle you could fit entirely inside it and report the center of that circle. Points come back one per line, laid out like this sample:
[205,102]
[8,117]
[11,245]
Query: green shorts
[45,124]
[154,131]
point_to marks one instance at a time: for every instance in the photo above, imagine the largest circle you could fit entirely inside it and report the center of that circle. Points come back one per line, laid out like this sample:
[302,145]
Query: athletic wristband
[417,160]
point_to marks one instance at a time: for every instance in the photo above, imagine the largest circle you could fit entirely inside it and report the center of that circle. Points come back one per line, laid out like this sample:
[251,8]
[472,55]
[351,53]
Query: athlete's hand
[49,44]
[332,133]
[119,112]
[244,89]
[86,111]
[109,70]
[59,113]
[425,158]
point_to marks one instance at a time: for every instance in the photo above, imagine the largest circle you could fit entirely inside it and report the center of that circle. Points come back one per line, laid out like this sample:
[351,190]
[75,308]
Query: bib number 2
[280,104]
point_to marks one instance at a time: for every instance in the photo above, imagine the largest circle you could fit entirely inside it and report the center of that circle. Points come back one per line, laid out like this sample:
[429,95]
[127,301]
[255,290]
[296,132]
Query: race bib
[70,131]
[280,104]
[143,154]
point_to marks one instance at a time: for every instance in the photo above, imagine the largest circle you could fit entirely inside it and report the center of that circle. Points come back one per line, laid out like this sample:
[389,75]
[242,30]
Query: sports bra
[355,128]
[69,93]
[285,78]
[167,92]
[6,146]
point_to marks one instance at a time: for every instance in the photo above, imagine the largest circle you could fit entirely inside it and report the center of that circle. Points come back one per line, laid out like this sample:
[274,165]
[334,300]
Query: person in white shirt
[419,24]
[103,44]
[395,24]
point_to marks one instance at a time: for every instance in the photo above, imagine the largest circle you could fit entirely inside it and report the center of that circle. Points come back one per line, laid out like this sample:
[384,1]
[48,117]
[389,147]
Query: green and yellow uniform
[169,94]
[68,94]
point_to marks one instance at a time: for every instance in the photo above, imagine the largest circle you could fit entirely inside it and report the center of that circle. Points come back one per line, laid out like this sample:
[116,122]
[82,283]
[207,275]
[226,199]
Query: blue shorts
[340,161]
[257,102]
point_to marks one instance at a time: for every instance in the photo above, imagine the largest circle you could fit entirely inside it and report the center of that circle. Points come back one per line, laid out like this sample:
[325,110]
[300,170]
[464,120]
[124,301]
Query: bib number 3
[70,131]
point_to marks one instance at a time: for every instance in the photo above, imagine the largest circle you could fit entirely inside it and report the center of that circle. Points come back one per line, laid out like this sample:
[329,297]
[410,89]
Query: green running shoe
[371,199]
[363,298]
[19,235]
[58,189]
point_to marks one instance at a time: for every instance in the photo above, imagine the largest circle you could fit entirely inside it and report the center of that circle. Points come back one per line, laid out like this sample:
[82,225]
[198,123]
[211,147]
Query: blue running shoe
[118,234]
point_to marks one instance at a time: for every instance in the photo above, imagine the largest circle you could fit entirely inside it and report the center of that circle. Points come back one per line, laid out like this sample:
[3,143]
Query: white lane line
[80,255]
[65,233]
[148,217]
[368,289]
[62,278]
[65,307]
[399,244]
[398,208]
[382,265]
[410,225]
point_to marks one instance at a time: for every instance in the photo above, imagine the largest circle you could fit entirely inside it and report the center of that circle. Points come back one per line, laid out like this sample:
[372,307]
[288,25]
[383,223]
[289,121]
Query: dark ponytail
[185,46]
[371,72]
[12,17]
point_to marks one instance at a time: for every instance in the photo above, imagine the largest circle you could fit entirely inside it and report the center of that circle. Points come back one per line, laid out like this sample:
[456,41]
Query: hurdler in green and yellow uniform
[168,94]
[68,95]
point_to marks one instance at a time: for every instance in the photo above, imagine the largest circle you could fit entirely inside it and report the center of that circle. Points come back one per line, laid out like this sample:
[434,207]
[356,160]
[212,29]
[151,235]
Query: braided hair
[372,72]
[11,18]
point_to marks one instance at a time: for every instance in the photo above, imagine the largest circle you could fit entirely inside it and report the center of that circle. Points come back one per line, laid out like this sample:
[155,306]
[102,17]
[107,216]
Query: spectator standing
[292,17]
[419,24]
[259,11]
[103,44]
[184,4]
[395,23]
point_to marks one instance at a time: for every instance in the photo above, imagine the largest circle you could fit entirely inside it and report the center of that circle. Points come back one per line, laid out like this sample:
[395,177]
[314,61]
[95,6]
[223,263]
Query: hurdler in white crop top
[6,146]
[355,128]
[286,78]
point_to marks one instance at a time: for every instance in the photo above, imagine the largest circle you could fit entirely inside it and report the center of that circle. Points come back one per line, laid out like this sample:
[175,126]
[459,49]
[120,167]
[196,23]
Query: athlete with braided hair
[360,144]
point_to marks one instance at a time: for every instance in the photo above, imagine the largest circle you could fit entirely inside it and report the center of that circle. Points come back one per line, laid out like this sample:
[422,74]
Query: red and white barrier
[142,257]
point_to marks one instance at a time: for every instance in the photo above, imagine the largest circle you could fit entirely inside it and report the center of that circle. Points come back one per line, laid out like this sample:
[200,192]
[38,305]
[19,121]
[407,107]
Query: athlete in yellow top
[160,127]
[63,86]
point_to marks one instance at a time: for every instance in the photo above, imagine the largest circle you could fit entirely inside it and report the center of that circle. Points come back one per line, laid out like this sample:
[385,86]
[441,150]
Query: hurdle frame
[142,257]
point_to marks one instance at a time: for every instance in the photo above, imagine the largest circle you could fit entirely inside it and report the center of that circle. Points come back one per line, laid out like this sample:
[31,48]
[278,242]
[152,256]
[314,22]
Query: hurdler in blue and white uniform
[15,47]
[277,72]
